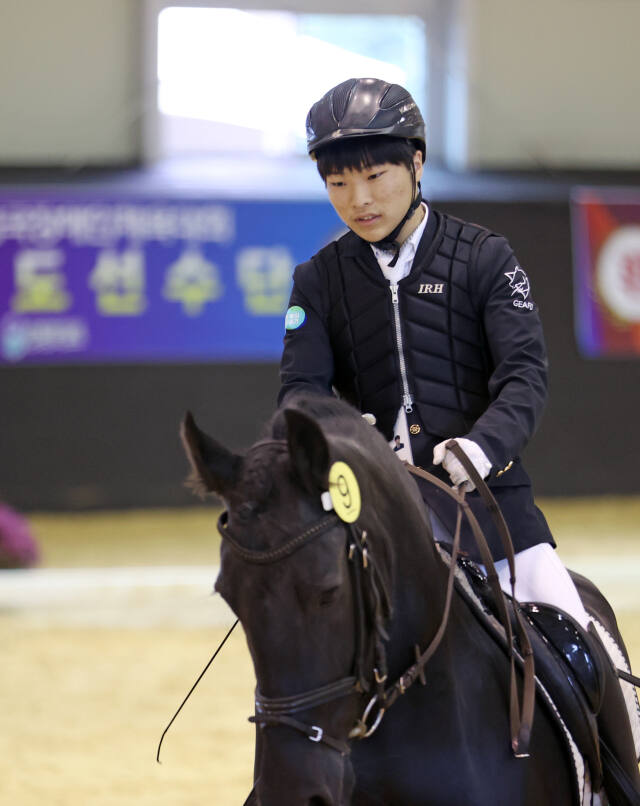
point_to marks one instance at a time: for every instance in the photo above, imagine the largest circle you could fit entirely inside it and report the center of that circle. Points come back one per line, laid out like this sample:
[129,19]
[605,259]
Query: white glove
[459,476]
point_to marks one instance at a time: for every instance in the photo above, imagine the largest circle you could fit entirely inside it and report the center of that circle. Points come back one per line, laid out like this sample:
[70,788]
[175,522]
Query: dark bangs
[358,153]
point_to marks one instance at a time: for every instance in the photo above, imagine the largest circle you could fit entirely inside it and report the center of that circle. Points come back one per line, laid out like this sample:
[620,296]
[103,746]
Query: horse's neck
[420,585]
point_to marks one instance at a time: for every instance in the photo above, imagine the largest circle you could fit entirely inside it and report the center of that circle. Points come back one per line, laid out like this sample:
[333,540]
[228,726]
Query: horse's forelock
[261,468]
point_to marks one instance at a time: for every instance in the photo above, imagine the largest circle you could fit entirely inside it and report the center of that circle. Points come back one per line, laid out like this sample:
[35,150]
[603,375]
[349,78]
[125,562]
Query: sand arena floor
[95,660]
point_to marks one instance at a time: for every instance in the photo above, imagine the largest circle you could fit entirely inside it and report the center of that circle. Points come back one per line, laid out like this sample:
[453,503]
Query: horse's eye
[328,596]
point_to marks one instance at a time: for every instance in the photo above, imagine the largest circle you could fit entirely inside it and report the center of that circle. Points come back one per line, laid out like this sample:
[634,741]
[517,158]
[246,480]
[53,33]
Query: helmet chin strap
[389,242]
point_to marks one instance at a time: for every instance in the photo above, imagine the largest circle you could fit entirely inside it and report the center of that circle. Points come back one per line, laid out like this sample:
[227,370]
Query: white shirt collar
[407,252]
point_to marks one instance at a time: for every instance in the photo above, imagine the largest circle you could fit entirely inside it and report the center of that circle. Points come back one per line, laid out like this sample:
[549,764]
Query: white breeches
[542,577]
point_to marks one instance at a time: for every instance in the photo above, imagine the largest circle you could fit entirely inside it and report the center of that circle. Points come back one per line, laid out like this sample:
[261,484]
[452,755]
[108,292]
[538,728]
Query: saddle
[566,664]
[573,664]
[573,669]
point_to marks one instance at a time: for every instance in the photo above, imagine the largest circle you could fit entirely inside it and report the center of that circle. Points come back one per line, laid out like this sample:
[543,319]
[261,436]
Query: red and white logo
[618,273]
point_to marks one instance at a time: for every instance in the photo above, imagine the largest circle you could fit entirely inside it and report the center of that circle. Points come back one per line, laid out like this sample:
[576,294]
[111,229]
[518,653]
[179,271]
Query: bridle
[368,587]
[370,601]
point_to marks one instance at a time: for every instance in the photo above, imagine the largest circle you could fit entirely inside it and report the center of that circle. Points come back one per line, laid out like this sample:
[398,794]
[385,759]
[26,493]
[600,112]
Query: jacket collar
[353,246]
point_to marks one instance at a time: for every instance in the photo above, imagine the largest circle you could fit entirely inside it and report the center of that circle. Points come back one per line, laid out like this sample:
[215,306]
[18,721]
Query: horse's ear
[213,467]
[308,449]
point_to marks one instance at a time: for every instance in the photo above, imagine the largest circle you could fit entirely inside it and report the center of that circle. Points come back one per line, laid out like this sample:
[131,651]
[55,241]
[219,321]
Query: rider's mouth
[368,220]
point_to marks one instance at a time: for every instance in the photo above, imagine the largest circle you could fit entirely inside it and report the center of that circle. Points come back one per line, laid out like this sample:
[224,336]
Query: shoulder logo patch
[519,284]
[295,317]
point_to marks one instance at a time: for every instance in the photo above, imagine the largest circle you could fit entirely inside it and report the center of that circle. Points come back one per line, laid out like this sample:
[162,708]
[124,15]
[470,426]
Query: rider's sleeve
[513,330]
[307,357]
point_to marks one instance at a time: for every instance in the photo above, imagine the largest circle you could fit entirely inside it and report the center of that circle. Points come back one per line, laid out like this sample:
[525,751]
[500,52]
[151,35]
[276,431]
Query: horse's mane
[351,438]
[333,415]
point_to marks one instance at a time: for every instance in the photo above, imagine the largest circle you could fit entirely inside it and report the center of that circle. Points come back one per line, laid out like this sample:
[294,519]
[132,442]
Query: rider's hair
[360,153]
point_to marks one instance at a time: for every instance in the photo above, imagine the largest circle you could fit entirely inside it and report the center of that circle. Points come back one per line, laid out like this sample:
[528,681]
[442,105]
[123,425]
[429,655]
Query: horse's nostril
[318,801]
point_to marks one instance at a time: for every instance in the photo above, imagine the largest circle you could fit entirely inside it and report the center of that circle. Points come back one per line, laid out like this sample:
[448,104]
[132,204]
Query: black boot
[617,748]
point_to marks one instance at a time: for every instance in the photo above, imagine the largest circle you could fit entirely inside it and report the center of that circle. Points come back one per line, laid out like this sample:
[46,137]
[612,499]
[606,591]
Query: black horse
[334,609]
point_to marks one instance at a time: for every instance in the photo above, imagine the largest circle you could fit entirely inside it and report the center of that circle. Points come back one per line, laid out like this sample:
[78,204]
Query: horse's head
[311,590]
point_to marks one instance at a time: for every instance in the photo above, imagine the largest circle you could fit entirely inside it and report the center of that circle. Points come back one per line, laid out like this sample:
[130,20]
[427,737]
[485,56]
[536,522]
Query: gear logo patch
[518,281]
[519,284]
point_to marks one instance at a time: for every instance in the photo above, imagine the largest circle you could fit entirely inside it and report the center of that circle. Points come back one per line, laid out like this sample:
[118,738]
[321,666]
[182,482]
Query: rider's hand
[459,476]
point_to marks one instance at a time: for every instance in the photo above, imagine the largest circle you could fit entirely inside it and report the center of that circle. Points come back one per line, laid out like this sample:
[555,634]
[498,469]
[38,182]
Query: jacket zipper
[407,400]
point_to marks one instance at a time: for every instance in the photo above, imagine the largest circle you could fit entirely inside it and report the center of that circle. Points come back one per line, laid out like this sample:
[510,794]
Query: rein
[521,718]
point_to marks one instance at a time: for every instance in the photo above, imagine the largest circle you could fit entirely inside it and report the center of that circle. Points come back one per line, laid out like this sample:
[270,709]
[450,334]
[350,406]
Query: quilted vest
[447,364]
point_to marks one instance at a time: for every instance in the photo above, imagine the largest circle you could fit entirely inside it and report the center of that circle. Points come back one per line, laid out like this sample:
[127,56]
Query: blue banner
[97,278]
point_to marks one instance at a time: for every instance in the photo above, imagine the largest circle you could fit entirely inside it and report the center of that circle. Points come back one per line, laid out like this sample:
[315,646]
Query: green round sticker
[345,492]
[295,317]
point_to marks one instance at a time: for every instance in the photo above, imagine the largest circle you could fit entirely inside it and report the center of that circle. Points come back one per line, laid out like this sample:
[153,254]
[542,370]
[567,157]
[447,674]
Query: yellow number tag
[344,491]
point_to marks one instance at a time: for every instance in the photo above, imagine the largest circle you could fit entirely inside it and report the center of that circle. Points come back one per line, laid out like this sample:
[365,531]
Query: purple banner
[91,279]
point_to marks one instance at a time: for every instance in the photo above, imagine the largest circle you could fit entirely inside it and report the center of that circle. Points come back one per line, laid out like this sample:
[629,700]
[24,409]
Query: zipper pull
[394,292]
[407,402]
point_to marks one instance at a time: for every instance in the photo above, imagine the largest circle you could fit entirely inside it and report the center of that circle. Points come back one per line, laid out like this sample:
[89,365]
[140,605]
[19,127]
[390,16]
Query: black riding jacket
[459,342]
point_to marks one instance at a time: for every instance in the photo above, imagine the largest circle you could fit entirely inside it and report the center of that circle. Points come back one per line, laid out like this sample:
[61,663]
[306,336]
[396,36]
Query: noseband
[366,586]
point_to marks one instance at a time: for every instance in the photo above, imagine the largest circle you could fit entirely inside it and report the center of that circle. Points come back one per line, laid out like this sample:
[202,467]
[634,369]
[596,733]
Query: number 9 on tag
[345,492]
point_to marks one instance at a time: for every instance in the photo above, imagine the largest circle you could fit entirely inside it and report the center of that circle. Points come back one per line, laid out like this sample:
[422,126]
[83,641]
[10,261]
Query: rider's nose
[360,196]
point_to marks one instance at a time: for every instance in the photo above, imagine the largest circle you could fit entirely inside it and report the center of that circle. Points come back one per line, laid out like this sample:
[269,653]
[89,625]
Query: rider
[425,321]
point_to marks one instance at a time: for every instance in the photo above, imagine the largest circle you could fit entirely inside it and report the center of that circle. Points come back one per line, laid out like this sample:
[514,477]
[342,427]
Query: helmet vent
[340,99]
[394,96]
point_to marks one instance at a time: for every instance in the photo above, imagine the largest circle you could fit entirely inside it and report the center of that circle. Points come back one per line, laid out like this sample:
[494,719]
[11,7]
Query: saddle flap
[562,682]
[573,645]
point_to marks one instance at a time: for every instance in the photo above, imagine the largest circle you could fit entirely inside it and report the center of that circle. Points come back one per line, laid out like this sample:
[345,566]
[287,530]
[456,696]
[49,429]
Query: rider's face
[373,201]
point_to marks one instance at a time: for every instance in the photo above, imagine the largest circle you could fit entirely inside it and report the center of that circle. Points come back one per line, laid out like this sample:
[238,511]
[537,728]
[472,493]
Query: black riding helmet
[361,107]
[364,107]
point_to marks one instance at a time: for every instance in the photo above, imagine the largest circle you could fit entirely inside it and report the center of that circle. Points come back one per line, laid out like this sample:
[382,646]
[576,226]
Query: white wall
[538,81]
[69,81]
[554,82]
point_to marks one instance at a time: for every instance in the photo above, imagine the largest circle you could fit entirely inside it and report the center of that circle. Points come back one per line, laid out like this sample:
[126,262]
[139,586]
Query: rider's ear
[213,467]
[308,449]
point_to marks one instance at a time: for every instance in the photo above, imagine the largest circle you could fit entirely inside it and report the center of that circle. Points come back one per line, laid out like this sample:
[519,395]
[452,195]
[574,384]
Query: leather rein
[367,587]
